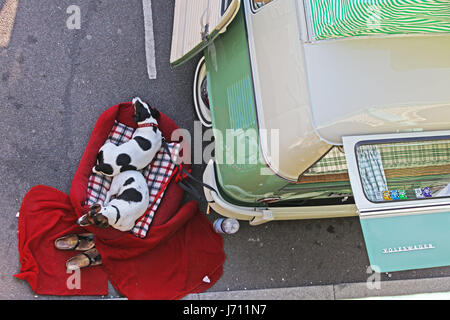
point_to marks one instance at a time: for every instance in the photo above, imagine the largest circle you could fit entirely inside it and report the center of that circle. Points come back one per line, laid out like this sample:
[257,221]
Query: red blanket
[180,250]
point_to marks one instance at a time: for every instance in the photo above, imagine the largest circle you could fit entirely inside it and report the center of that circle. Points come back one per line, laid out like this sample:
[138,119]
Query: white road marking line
[149,39]
[7,19]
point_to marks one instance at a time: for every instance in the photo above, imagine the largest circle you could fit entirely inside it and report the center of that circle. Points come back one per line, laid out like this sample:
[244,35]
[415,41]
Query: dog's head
[94,217]
[143,112]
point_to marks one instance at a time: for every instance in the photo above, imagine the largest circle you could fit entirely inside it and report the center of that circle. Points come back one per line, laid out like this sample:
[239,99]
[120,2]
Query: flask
[226,225]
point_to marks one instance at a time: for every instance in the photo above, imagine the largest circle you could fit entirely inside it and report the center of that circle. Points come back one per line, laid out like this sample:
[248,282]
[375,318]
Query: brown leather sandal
[84,259]
[79,242]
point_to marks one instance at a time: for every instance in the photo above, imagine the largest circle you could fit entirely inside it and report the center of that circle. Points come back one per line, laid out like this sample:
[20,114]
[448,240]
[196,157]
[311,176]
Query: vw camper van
[328,108]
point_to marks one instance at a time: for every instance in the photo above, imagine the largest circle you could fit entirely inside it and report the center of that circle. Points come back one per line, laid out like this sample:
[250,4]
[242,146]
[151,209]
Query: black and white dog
[136,153]
[131,200]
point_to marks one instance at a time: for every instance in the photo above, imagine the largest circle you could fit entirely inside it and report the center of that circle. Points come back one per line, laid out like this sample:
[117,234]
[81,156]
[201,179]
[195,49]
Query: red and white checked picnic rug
[158,174]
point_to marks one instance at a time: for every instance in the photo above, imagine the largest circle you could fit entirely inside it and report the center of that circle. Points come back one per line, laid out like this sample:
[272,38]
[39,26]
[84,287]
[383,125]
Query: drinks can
[226,225]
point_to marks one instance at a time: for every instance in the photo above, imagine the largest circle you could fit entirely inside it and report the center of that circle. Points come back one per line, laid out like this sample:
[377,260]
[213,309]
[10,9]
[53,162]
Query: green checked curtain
[351,18]
[372,172]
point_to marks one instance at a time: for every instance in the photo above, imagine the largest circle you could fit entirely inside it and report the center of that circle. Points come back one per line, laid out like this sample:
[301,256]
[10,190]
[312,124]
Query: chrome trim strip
[414,247]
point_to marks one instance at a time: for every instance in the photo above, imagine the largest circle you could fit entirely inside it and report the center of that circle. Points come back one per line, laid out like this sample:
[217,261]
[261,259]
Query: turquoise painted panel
[415,241]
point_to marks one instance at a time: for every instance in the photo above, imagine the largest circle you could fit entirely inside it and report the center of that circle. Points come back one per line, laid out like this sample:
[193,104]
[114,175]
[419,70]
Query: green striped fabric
[352,18]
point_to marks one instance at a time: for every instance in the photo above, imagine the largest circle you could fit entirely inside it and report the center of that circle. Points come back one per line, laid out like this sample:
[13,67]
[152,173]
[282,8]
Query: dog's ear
[141,112]
[84,220]
[96,208]
[138,103]
[93,217]
[136,115]
[155,113]
[101,221]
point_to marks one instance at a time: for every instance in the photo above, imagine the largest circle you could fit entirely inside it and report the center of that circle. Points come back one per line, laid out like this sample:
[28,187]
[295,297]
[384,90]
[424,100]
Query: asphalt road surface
[55,82]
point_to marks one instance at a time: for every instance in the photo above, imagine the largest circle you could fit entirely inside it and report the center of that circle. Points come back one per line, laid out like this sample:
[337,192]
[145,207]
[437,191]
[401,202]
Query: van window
[405,170]
[259,3]
[225,5]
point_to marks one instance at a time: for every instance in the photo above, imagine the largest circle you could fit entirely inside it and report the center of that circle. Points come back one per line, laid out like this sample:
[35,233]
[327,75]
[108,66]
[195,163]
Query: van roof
[379,85]
[316,93]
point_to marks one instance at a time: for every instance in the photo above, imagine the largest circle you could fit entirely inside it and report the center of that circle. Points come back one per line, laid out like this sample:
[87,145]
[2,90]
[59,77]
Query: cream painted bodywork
[380,85]
[281,88]
[316,93]
[196,20]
